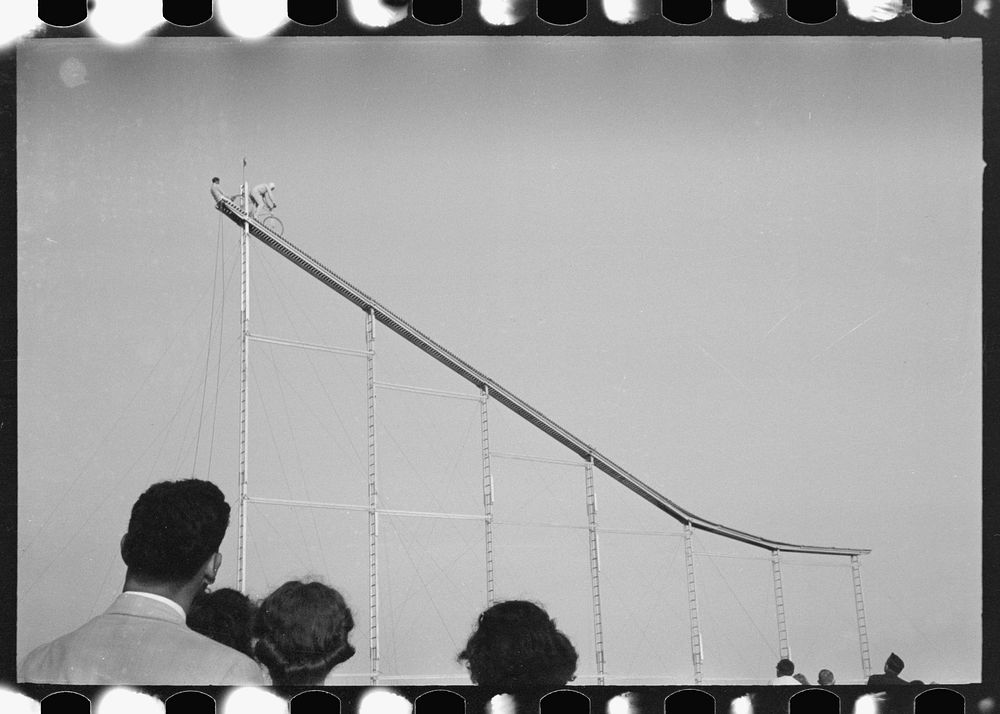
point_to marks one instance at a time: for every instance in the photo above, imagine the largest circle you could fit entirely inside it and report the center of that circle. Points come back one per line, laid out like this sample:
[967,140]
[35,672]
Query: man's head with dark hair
[175,528]
[517,647]
[215,179]
[785,668]
[825,678]
[225,615]
[301,632]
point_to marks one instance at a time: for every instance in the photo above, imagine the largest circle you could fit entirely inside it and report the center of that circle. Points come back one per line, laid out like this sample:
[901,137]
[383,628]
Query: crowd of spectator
[168,627]
[785,674]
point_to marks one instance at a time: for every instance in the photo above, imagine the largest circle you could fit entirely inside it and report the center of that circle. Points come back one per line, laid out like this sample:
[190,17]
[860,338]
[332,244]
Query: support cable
[218,365]
[208,352]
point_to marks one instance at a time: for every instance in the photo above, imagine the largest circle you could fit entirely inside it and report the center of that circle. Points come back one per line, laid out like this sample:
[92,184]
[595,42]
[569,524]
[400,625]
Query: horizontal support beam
[308,346]
[709,554]
[537,459]
[539,524]
[366,509]
[453,516]
[428,391]
[637,532]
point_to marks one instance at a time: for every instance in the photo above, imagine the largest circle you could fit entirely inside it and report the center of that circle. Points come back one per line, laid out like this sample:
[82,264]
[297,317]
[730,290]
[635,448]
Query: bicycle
[267,219]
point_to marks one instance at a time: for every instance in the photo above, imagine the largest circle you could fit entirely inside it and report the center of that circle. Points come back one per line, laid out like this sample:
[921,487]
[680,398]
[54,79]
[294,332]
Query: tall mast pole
[372,503]
[241,543]
[595,568]
[484,422]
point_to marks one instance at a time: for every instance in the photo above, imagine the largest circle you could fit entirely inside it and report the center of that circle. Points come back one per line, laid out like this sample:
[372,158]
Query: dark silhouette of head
[825,678]
[176,527]
[517,647]
[225,615]
[785,668]
[301,630]
[215,179]
[893,665]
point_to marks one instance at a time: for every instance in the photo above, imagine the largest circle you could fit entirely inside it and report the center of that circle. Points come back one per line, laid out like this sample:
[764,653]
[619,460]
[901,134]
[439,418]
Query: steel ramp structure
[585,451]
[590,456]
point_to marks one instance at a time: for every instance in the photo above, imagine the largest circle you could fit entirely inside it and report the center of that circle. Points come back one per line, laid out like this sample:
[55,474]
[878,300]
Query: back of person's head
[175,527]
[225,615]
[893,665]
[516,646]
[825,677]
[301,630]
[785,668]
[215,179]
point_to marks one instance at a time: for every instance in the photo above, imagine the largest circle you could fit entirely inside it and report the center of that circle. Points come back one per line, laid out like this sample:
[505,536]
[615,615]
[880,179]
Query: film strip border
[75,18]
[84,18]
[470,700]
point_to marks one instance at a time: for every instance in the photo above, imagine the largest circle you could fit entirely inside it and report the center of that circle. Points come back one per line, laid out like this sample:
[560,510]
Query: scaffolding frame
[489,389]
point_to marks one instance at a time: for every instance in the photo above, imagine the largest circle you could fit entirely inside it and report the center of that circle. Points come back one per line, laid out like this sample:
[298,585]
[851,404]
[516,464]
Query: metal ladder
[779,604]
[595,569]
[696,655]
[859,605]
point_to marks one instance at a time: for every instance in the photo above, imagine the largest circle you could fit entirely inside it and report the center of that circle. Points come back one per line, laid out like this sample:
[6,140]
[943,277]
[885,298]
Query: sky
[746,269]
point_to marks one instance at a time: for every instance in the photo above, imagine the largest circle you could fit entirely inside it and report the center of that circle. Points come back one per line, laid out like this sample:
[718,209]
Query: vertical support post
[595,567]
[484,396]
[372,502]
[779,604]
[859,606]
[241,536]
[696,653]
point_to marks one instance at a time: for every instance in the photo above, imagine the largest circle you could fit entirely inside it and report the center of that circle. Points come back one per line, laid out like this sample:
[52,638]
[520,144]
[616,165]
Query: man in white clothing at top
[216,189]
[261,195]
[171,551]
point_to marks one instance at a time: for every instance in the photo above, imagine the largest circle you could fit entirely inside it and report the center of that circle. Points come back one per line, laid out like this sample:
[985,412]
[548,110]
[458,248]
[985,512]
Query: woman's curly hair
[301,633]
[226,616]
[516,646]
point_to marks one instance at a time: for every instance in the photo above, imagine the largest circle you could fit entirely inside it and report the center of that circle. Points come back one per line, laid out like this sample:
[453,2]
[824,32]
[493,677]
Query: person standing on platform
[217,193]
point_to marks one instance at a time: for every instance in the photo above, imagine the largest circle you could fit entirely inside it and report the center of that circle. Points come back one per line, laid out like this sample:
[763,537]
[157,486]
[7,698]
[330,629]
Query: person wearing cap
[260,195]
[783,673]
[893,666]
